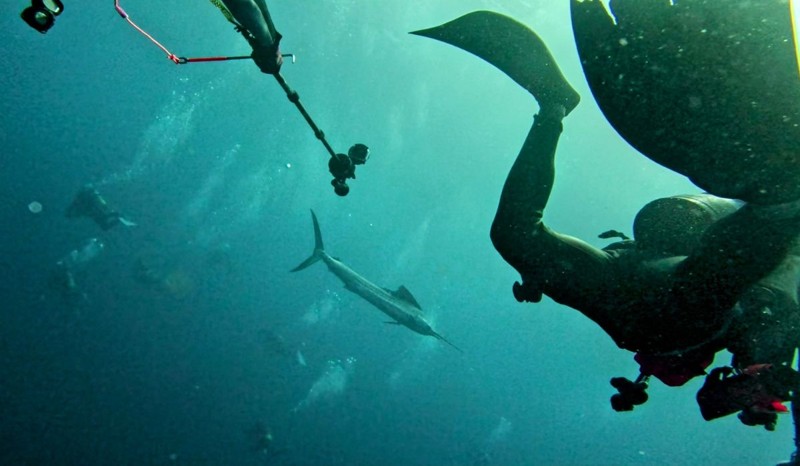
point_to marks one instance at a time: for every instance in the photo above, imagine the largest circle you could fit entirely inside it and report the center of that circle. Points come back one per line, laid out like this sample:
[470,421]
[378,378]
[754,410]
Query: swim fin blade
[511,47]
[706,68]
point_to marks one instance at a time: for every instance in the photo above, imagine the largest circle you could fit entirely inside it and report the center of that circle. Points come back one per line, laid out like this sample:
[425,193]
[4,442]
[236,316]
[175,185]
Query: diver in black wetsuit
[89,203]
[684,289]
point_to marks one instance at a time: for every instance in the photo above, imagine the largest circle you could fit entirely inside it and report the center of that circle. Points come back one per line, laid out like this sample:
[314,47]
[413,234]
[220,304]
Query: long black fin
[513,48]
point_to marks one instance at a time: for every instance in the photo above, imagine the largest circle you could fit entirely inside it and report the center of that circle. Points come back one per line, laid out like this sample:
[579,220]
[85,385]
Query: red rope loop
[172,57]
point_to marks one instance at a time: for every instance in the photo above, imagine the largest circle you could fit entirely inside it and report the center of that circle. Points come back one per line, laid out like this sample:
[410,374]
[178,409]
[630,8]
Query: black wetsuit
[89,203]
[646,302]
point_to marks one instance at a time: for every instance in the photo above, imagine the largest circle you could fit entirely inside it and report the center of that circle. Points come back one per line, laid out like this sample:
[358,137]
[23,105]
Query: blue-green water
[219,171]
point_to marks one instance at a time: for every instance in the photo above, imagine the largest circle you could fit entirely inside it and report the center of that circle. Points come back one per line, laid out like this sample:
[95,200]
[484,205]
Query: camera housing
[41,15]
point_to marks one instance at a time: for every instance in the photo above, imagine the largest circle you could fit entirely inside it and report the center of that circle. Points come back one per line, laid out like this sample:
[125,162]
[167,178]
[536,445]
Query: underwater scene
[302,235]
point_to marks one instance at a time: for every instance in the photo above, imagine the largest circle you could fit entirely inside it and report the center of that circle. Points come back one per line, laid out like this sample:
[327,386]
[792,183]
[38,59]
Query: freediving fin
[706,68]
[511,47]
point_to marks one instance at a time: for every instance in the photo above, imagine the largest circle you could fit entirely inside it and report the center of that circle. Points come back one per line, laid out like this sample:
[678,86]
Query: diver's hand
[268,58]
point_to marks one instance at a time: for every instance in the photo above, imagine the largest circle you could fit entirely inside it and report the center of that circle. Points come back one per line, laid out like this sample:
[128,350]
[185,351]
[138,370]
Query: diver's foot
[551,90]
[551,112]
[268,58]
[544,79]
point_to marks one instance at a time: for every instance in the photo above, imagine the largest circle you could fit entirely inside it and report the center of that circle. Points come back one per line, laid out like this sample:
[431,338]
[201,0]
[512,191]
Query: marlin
[399,305]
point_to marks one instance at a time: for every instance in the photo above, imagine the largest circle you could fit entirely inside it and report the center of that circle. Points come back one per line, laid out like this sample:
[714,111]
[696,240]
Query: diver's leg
[262,5]
[539,254]
[254,16]
[529,183]
[250,15]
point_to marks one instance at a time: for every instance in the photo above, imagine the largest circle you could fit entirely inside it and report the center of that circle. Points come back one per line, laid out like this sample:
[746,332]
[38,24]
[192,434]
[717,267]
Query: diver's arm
[736,252]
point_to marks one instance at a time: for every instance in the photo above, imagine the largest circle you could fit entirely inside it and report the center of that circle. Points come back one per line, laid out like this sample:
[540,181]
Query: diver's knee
[510,239]
[501,237]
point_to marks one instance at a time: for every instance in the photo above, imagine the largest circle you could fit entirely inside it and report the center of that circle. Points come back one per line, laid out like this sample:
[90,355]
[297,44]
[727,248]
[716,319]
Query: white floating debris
[35,207]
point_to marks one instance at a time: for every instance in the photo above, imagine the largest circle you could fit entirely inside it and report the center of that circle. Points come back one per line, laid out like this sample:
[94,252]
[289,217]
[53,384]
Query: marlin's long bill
[439,337]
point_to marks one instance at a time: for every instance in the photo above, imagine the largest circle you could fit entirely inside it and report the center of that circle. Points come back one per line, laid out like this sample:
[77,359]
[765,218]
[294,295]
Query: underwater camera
[41,15]
[343,167]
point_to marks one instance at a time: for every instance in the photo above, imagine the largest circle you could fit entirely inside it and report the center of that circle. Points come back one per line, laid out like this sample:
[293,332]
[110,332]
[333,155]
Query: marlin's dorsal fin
[405,295]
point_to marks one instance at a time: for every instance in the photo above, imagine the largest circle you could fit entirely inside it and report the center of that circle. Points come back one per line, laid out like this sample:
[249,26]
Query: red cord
[174,58]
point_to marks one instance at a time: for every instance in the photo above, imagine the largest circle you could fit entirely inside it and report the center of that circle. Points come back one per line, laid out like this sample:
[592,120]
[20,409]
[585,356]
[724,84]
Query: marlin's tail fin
[319,248]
